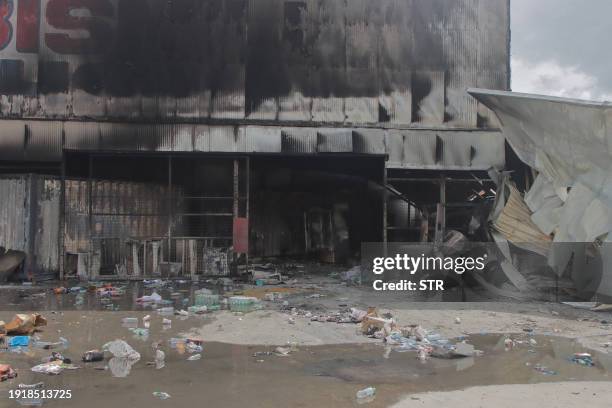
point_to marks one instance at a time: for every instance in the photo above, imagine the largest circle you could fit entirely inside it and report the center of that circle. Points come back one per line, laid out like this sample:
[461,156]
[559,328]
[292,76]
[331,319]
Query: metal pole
[236,199]
[248,193]
[90,217]
[384,237]
[236,194]
[170,220]
[62,220]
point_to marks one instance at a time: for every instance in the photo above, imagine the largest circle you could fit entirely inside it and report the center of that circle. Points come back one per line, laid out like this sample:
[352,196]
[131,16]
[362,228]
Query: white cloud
[552,78]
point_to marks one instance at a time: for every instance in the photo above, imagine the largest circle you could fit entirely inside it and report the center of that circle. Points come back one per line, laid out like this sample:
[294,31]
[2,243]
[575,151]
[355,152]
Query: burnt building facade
[170,131]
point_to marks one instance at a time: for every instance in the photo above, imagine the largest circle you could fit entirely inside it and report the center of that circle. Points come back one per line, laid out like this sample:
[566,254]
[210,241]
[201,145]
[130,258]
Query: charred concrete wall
[397,62]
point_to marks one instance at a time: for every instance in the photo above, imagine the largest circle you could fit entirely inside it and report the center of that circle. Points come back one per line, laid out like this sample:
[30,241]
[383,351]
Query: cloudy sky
[562,48]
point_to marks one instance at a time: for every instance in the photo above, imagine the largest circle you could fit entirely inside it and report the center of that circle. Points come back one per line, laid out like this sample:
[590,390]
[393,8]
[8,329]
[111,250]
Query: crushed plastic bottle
[193,348]
[161,395]
[195,357]
[366,393]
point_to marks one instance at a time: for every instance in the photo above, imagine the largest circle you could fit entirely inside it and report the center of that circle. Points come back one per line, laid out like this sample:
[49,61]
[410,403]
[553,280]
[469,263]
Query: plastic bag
[121,349]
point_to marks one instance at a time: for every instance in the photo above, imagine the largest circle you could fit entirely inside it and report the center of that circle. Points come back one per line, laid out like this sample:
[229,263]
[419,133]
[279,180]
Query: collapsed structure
[148,136]
[566,213]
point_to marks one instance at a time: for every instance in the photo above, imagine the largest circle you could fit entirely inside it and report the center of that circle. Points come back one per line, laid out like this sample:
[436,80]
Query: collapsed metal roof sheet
[569,142]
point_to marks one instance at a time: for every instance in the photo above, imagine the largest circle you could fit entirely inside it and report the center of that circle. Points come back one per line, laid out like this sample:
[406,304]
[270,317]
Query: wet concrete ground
[240,376]
[41,297]
[232,375]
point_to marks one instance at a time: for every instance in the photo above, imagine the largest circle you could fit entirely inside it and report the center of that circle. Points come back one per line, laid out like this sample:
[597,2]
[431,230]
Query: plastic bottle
[366,393]
[161,395]
[160,359]
[166,310]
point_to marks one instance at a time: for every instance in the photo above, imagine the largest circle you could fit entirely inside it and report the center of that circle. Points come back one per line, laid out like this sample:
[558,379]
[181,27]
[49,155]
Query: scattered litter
[24,324]
[161,395]
[7,372]
[55,356]
[160,359]
[197,309]
[193,347]
[121,349]
[152,298]
[195,357]
[244,304]
[282,351]
[544,370]
[47,345]
[203,297]
[49,368]
[19,341]
[352,276]
[366,395]
[121,367]
[92,356]
[584,359]
[140,332]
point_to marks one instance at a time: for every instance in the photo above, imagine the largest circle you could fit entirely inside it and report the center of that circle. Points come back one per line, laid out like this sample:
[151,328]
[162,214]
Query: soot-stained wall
[405,62]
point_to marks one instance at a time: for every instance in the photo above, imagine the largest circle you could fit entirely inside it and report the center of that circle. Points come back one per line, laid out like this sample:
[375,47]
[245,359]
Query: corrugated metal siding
[407,148]
[13,213]
[404,62]
[29,220]
[46,246]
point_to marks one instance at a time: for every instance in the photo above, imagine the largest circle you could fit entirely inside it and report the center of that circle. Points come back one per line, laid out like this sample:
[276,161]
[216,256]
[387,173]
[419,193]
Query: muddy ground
[329,362]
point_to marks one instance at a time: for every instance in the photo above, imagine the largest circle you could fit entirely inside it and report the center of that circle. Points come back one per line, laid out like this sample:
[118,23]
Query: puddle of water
[232,376]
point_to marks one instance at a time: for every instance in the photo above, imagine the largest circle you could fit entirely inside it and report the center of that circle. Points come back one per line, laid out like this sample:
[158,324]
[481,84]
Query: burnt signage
[236,57]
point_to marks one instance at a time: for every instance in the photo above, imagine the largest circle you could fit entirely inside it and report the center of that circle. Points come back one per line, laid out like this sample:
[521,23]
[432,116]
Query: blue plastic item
[19,341]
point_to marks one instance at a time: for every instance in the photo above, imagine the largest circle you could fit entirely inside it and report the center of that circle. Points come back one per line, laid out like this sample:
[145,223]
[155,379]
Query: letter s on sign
[6,28]
[100,33]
